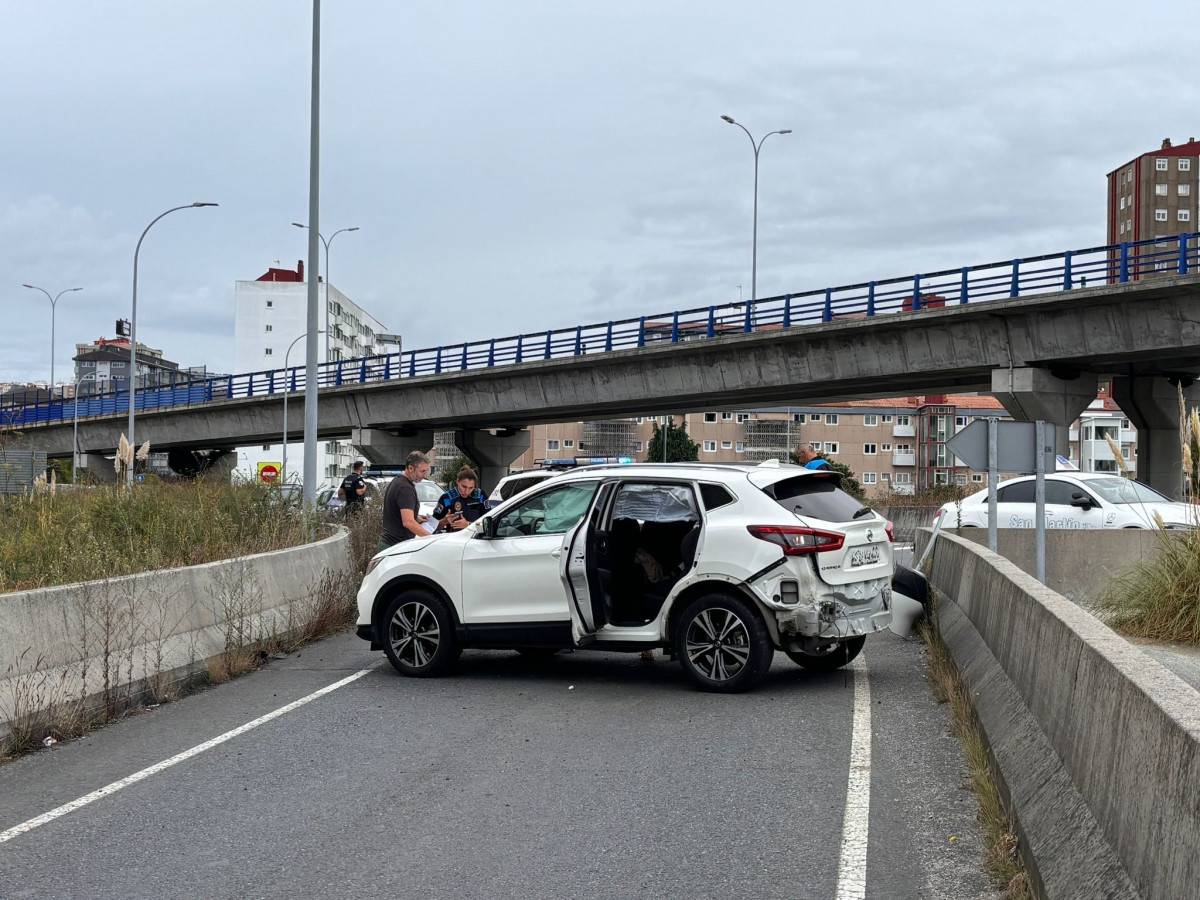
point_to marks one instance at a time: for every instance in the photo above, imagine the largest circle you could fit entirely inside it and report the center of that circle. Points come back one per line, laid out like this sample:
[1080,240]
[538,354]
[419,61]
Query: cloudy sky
[519,166]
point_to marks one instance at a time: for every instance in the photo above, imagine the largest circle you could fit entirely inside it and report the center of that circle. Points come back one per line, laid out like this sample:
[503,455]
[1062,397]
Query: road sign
[1015,448]
[268,472]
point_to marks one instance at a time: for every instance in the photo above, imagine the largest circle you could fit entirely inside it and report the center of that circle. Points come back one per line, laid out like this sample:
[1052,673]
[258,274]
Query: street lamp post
[75,436]
[287,388]
[327,332]
[53,305]
[754,241]
[133,332]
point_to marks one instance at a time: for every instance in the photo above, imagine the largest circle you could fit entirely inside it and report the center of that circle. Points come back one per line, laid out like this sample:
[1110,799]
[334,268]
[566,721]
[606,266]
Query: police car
[1074,500]
[511,485]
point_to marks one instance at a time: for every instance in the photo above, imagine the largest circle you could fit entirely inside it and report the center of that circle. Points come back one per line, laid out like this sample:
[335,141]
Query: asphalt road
[588,775]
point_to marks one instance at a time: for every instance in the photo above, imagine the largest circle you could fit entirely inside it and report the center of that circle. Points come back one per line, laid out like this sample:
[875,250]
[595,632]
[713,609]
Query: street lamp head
[206,204]
[69,290]
[355,228]
[30,286]
[729,119]
[298,225]
[786,131]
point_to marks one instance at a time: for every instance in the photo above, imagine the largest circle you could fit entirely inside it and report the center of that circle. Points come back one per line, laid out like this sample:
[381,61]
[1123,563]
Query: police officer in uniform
[353,490]
[462,504]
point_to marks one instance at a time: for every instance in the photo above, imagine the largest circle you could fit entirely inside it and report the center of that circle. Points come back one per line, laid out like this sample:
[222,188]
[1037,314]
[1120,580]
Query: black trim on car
[761,572]
[507,635]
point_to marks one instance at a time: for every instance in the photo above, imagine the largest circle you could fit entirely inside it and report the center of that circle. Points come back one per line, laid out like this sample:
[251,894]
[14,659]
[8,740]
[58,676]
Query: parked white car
[721,564]
[511,485]
[1073,500]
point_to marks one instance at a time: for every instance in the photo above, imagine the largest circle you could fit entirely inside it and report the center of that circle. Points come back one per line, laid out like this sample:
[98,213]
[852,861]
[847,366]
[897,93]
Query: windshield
[429,491]
[1122,491]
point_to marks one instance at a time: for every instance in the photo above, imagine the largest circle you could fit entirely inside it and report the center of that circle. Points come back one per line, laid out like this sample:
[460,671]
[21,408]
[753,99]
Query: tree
[849,483]
[447,473]
[680,447]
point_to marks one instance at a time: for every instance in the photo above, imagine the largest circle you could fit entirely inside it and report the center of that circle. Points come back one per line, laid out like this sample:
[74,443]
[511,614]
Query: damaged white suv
[720,564]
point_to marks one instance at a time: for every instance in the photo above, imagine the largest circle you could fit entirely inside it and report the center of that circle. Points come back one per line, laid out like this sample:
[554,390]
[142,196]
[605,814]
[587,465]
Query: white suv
[720,564]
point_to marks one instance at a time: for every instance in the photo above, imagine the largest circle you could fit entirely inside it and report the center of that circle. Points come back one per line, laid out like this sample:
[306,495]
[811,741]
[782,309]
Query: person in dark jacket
[462,504]
[402,519]
[353,490]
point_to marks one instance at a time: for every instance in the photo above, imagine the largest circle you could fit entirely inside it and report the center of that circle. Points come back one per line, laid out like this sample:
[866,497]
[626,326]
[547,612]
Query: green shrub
[100,532]
[1159,598]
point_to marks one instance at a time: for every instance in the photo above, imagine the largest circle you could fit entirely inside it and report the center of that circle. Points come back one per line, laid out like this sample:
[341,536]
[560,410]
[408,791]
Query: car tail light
[890,528]
[798,541]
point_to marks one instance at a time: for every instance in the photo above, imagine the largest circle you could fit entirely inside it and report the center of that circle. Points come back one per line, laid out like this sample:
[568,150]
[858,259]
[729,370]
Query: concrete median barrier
[77,648]
[1096,745]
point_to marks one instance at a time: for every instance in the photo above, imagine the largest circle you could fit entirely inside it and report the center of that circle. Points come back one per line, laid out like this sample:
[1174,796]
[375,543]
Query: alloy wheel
[718,643]
[414,634]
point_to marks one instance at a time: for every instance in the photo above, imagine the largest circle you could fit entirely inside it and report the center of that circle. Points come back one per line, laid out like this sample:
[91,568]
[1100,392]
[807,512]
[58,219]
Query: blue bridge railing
[1094,266]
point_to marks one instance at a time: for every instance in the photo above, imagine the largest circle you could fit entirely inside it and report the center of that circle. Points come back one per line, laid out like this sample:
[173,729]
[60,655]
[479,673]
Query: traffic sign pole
[1039,500]
[993,476]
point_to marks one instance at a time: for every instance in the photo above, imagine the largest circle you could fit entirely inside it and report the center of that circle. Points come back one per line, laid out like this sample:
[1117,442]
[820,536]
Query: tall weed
[1159,598]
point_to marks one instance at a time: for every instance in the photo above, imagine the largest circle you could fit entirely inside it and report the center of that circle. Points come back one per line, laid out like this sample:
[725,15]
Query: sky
[522,166]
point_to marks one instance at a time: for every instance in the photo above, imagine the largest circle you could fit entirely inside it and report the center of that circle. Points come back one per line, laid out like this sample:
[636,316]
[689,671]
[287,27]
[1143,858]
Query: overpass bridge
[1036,333]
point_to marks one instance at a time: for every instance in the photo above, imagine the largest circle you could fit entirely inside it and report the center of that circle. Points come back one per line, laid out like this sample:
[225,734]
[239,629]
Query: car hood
[413,545]
[1170,513]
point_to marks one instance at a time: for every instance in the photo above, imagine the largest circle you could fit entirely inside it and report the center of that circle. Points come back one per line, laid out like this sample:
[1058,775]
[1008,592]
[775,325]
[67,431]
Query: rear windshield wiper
[863,511]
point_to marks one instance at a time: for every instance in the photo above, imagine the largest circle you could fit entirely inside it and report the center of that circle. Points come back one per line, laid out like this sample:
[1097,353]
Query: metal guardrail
[1051,273]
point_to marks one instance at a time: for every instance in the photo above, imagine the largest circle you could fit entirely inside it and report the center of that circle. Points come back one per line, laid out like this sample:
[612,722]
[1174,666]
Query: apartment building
[895,445]
[271,319]
[1154,196]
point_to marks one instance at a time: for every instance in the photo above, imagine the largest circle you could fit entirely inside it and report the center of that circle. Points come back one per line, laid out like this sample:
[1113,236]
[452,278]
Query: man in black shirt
[402,519]
[353,490]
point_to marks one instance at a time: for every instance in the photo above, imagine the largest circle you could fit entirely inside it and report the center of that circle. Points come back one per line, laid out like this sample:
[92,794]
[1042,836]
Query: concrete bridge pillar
[96,468]
[1029,393]
[492,452]
[388,450]
[1151,404]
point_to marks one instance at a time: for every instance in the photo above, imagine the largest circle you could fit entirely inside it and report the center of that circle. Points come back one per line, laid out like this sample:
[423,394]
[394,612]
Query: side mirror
[483,526]
[1083,501]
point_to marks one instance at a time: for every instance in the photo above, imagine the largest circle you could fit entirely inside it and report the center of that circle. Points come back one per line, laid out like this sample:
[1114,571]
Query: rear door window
[815,496]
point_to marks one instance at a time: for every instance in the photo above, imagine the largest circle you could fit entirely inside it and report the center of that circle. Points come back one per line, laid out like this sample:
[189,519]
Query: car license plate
[864,556]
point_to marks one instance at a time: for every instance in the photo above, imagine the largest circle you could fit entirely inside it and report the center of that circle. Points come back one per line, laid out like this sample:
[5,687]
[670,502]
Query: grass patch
[1159,598]
[999,831]
[101,532]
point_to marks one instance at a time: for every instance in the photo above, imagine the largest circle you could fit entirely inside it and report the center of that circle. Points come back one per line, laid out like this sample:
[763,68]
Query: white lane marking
[108,789]
[852,865]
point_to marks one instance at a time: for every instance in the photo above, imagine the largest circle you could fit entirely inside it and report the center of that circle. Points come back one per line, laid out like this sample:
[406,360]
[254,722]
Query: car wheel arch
[683,599]
[400,585]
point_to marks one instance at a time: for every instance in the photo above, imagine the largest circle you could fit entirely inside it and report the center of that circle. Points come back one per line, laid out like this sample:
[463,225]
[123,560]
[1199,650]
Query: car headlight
[375,560]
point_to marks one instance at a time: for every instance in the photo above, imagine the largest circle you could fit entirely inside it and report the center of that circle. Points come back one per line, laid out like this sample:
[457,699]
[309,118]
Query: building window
[740,447]
[904,448]
[887,476]
[1185,165]
[903,420]
[267,352]
[270,328]
[831,446]
[569,443]
[885,448]
[710,417]
[1160,165]
[552,444]
[960,421]
[726,445]
[903,478]
[871,420]
[887,418]
[870,449]
[1160,215]
[742,417]
[1160,190]
[977,478]
[831,418]
[710,446]
[960,479]
[1121,228]
[868,477]
[1125,424]
[1185,190]
[1185,215]
[638,447]
[799,418]
[726,417]
[117,365]
[270,303]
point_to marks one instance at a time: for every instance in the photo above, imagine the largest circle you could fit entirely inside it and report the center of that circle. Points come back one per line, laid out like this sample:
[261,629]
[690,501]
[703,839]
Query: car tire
[418,635]
[722,644]
[835,657]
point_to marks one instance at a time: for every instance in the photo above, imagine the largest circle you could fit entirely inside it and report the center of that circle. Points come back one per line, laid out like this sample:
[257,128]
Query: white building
[1090,448]
[270,316]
